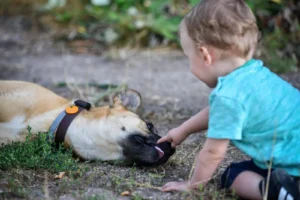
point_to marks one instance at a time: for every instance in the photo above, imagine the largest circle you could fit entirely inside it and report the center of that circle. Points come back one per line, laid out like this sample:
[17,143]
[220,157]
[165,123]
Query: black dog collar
[64,119]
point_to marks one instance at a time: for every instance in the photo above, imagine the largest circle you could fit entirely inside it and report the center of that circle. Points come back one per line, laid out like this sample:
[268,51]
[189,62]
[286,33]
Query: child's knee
[230,174]
[235,169]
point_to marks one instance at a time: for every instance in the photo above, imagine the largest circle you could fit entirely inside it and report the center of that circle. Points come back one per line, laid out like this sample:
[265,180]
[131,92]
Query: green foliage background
[155,22]
[151,23]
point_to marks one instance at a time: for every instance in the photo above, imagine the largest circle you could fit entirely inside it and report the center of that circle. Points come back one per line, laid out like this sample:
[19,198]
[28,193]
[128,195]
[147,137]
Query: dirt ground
[170,94]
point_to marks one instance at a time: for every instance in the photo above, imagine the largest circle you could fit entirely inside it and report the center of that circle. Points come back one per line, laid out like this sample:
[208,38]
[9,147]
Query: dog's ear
[130,99]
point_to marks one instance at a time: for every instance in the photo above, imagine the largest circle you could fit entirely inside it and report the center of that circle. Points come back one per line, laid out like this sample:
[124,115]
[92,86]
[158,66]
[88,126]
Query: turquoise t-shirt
[260,113]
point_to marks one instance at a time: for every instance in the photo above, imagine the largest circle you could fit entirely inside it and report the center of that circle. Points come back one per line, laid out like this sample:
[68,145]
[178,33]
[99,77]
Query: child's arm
[207,162]
[196,123]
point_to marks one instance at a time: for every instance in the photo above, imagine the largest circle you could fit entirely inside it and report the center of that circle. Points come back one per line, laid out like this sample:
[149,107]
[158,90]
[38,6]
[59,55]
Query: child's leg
[249,181]
[246,185]
[243,178]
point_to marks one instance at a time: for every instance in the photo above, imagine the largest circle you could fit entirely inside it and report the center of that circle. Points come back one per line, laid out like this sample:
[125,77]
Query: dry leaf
[60,175]
[125,193]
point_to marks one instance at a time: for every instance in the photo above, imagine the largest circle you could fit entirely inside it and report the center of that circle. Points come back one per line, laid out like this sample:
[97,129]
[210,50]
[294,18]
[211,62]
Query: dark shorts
[235,169]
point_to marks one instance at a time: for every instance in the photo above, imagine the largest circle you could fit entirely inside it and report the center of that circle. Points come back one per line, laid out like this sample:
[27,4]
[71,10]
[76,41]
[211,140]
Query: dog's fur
[104,133]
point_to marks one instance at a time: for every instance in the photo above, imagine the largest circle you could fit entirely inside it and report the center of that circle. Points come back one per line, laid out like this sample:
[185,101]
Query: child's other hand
[175,186]
[175,136]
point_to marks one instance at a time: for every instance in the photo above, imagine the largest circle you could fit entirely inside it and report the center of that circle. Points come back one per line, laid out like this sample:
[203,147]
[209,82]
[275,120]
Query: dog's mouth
[145,151]
[164,151]
[160,152]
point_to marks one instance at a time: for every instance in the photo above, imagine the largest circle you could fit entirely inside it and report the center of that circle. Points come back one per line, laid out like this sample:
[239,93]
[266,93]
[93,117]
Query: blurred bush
[129,22]
[278,21]
[15,7]
[149,23]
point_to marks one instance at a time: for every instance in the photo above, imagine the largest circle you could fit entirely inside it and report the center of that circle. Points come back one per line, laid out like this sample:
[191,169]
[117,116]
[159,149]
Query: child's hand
[176,186]
[175,136]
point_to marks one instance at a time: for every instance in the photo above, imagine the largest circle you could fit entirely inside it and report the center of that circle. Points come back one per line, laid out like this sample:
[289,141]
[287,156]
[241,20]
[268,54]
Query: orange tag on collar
[72,109]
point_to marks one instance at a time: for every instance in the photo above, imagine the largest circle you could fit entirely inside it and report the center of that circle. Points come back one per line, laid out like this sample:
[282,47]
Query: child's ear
[206,55]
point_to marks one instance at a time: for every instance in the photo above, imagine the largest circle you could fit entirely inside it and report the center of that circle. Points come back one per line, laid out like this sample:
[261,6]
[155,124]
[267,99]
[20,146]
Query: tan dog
[103,133]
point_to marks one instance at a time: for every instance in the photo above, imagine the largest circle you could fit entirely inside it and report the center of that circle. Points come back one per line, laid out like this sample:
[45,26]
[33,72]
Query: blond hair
[224,24]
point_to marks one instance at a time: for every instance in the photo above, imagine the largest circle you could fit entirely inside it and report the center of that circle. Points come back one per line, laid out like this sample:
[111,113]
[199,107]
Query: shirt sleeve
[226,119]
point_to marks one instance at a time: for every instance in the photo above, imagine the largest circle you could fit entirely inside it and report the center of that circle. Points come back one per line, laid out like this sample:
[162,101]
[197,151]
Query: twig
[75,88]
[194,163]
[137,183]
[108,92]
[269,168]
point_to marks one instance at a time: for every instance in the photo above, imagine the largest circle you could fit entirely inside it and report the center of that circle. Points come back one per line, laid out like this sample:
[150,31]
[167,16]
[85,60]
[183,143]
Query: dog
[104,133]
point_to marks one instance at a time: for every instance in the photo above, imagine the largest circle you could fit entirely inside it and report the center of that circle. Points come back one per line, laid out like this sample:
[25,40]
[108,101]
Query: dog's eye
[149,125]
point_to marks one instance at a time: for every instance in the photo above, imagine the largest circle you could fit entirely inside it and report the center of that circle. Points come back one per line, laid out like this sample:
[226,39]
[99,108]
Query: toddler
[249,106]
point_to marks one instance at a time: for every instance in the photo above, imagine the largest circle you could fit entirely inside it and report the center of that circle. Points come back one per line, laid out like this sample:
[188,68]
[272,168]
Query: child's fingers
[173,144]
[164,139]
[170,186]
[175,186]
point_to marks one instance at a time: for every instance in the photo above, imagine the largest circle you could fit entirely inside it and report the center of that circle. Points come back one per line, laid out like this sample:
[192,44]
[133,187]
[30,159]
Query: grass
[38,154]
